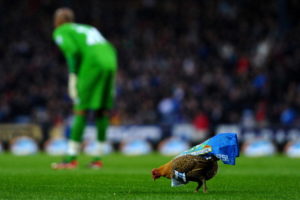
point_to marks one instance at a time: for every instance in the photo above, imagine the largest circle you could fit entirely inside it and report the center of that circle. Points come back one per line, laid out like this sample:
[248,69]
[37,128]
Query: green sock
[78,128]
[101,124]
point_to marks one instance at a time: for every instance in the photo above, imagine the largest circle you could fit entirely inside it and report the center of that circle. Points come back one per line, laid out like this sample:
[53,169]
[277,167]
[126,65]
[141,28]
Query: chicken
[188,168]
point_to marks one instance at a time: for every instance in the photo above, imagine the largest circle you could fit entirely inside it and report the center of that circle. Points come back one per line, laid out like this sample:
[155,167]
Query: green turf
[124,177]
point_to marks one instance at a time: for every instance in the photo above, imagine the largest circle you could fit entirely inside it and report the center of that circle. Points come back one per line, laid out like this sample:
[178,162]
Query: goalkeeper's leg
[74,141]
[102,122]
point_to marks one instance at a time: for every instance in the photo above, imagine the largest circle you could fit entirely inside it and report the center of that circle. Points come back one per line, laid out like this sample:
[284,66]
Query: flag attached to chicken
[199,163]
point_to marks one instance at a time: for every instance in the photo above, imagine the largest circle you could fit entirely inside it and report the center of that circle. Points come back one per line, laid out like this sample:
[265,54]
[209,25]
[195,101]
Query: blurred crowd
[204,62]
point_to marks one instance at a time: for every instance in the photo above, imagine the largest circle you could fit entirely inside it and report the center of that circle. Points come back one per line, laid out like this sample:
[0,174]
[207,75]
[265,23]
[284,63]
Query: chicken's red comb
[155,174]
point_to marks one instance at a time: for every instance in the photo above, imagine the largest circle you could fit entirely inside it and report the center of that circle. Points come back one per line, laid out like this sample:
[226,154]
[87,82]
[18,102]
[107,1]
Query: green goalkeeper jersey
[80,42]
[93,59]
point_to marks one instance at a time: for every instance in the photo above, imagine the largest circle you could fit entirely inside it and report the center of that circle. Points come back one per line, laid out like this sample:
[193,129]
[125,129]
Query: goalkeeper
[92,65]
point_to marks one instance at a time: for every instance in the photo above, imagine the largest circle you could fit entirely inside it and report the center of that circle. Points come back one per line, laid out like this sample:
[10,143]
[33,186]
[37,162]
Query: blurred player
[92,65]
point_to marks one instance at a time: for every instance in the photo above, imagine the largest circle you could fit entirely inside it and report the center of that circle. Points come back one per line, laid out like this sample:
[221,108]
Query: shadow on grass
[156,192]
[213,192]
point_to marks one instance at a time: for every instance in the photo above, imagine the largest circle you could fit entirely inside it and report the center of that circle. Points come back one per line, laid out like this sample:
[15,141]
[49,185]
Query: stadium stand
[202,62]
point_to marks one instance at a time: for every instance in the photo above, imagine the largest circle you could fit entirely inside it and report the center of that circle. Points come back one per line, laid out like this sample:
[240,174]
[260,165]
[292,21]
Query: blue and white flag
[223,146]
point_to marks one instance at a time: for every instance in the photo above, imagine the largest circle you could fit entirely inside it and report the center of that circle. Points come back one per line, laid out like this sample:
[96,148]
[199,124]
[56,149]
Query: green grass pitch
[126,177]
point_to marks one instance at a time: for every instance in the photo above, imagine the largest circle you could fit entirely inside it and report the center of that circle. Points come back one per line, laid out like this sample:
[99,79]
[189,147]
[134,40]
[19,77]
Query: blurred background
[187,71]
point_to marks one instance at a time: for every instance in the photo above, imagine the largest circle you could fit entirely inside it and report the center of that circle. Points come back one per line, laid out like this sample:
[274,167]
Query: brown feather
[195,167]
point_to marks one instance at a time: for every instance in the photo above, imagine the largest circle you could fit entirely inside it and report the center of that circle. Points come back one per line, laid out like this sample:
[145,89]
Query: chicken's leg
[204,185]
[198,186]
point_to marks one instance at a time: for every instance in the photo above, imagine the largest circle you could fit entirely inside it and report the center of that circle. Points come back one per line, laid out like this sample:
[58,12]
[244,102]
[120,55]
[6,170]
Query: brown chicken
[194,168]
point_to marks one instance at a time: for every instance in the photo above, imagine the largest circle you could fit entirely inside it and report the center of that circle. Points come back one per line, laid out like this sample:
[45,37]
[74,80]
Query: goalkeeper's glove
[72,87]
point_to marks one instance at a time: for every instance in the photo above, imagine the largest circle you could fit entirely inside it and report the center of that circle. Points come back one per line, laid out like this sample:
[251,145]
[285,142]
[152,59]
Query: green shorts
[96,91]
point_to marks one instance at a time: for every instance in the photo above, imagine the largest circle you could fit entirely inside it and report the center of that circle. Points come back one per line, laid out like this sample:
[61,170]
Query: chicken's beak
[154,178]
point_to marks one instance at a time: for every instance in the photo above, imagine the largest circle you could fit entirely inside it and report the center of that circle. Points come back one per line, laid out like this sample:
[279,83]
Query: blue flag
[223,146]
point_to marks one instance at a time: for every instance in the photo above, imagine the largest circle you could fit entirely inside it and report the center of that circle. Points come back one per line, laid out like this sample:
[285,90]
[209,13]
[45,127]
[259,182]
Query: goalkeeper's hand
[72,87]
